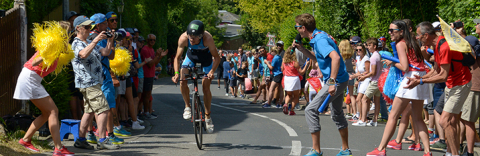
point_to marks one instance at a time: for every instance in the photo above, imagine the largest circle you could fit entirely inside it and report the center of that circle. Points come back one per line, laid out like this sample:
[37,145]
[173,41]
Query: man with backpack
[451,67]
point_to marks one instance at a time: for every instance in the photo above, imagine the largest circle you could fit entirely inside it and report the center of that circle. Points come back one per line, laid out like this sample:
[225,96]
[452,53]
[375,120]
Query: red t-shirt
[461,74]
[38,69]
[148,52]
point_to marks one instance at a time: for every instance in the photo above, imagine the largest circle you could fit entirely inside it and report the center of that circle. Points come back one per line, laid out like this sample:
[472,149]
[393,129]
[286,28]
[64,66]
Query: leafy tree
[466,11]
[267,14]
[251,35]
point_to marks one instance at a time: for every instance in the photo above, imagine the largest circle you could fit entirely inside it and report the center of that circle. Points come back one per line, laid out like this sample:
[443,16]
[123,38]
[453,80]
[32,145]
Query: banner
[454,40]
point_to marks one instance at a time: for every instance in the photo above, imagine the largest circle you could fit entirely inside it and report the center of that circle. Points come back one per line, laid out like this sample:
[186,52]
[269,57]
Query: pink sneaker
[28,145]
[63,152]
[291,113]
[427,154]
[394,145]
[375,152]
[415,147]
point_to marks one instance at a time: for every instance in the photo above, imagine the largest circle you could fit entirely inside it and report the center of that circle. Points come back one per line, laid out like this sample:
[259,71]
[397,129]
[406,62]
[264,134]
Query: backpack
[468,59]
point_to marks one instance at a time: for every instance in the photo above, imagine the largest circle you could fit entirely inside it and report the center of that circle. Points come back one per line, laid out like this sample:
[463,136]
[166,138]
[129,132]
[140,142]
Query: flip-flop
[407,141]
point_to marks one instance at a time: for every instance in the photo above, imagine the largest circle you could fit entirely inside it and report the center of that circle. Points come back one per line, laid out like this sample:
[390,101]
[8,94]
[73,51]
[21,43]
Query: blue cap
[98,18]
[110,15]
[356,39]
[472,40]
[82,20]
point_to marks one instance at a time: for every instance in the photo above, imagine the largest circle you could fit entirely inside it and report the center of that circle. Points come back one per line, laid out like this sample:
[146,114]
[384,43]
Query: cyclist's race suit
[198,54]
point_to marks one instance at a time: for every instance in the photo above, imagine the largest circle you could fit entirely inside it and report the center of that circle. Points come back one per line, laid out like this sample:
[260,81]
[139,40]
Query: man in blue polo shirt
[327,54]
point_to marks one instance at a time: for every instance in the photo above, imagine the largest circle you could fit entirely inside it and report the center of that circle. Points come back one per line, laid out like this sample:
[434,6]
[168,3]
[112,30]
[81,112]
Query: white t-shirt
[361,63]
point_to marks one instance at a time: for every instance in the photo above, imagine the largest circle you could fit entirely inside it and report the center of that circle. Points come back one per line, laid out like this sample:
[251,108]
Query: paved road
[240,129]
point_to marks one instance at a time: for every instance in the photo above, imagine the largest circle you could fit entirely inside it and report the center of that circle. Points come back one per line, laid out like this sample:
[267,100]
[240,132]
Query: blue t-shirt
[232,76]
[277,65]
[251,61]
[226,68]
[322,45]
[139,70]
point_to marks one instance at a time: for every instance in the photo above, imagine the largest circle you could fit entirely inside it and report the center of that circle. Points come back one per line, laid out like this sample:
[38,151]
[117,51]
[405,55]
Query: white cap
[436,24]
[280,42]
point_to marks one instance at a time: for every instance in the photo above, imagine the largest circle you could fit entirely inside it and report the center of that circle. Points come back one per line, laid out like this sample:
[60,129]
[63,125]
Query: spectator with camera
[87,66]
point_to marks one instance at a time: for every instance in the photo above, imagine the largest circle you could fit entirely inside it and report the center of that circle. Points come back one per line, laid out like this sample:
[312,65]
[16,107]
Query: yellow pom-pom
[120,65]
[51,40]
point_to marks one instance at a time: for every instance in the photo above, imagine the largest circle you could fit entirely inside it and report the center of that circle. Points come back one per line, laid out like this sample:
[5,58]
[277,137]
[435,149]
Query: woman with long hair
[29,86]
[292,77]
[347,53]
[408,53]
[362,67]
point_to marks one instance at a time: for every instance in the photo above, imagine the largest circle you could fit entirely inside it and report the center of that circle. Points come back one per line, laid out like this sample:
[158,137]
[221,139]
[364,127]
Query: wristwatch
[331,82]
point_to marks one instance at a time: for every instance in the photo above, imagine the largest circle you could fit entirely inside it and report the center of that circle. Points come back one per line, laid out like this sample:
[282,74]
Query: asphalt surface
[240,129]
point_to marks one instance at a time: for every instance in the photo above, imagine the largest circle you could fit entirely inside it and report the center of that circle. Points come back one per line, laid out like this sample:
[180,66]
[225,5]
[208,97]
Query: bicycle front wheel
[197,120]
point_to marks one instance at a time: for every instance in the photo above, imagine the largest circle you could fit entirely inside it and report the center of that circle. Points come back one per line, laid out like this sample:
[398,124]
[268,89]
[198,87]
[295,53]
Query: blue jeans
[383,108]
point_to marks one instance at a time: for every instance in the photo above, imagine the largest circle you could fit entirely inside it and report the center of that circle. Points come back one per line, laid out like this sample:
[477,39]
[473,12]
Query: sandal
[407,141]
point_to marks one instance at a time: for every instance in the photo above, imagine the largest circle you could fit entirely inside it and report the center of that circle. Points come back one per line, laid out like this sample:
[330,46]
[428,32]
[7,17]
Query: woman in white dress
[363,61]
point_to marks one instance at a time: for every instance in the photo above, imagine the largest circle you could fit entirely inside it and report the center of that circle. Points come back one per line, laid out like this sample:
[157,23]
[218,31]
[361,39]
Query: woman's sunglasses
[112,20]
[391,30]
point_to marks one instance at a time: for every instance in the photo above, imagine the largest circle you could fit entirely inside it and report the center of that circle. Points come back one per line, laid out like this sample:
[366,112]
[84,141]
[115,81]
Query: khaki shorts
[470,110]
[455,97]
[94,99]
[372,89]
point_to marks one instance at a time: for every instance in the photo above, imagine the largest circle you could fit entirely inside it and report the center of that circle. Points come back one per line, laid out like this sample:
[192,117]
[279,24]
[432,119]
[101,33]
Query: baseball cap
[472,40]
[356,39]
[383,39]
[280,42]
[476,21]
[81,20]
[130,30]
[436,25]
[71,14]
[136,30]
[110,15]
[98,18]
[141,39]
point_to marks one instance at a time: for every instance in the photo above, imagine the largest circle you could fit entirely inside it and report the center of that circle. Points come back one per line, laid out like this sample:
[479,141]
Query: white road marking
[289,129]
[296,147]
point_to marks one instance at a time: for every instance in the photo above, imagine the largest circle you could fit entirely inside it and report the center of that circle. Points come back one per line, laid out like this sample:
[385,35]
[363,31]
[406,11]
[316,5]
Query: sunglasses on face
[112,20]
[359,49]
[391,30]
[298,26]
[88,27]
[354,43]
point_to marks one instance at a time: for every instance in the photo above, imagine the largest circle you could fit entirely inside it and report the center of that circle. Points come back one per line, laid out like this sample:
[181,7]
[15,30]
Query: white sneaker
[187,113]
[226,94]
[136,126]
[372,108]
[209,125]
[348,116]
[359,123]
[371,123]
[140,121]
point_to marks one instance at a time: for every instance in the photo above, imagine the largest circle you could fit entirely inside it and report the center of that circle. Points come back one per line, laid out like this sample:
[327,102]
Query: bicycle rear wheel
[197,120]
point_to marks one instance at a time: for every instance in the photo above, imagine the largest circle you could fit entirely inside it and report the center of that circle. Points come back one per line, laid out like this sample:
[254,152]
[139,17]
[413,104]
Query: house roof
[226,16]
[232,30]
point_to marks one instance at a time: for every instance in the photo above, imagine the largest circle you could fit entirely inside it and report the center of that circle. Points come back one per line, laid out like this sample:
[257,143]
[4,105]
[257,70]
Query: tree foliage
[265,15]
[251,35]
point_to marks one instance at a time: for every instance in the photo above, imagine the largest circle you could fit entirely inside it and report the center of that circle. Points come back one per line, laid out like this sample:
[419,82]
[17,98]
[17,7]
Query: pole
[120,20]
[66,9]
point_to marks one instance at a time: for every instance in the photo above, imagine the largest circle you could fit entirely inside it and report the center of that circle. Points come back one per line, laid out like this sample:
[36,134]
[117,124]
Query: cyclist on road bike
[200,49]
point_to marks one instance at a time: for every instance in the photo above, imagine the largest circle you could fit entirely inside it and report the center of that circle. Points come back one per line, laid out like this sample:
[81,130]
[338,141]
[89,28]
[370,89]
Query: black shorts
[440,104]
[220,73]
[233,83]
[278,78]
[147,84]
[134,89]
[303,81]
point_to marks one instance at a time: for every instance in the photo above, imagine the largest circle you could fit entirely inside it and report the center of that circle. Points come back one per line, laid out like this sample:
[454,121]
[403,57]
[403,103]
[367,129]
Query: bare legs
[50,113]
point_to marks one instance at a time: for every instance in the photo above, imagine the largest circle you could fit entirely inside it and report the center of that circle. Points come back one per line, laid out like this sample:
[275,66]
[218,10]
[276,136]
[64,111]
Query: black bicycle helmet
[196,28]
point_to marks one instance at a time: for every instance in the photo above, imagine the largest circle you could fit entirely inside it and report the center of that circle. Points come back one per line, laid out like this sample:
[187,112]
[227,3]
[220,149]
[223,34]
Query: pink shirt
[148,52]
[290,70]
[375,59]
[38,69]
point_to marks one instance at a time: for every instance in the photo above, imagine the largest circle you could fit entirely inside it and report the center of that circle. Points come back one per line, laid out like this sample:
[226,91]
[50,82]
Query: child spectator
[233,79]
[291,70]
[242,74]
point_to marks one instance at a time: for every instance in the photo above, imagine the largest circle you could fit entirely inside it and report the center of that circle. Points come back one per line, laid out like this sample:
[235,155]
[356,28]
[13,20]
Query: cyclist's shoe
[346,152]
[28,145]
[82,144]
[121,132]
[187,113]
[107,144]
[62,152]
[115,140]
[91,138]
[313,153]
[209,125]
